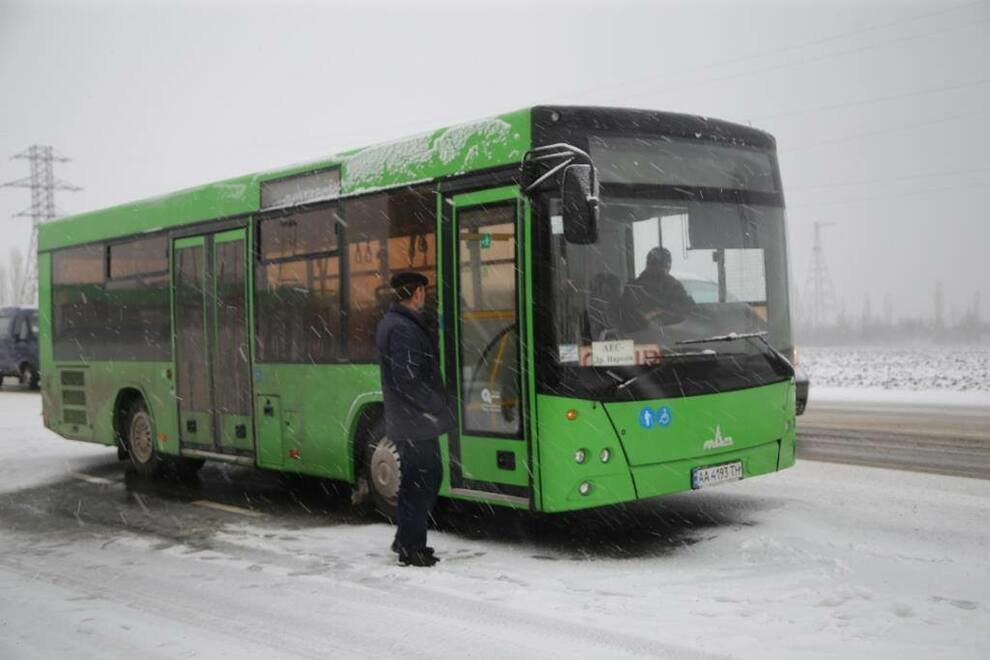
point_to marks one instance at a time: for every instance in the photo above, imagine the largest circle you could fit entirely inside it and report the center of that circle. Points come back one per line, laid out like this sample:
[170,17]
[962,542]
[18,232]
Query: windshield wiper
[707,354]
[770,353]
[732,336]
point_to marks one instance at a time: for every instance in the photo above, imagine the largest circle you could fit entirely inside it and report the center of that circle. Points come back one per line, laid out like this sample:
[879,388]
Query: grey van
[19,345]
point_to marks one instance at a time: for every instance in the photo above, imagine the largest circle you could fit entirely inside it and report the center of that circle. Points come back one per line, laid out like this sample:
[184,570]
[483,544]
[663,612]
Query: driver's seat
[603,306]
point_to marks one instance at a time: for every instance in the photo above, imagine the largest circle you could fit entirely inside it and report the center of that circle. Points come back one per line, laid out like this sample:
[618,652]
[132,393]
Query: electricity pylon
[43,184]
[818,284]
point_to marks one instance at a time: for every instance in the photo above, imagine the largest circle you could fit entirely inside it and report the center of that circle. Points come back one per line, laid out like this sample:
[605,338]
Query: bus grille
[73,378]
[74,416]
[74,397]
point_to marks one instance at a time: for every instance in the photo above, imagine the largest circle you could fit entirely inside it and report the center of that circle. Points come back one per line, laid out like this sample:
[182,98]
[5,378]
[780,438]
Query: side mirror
[579,197]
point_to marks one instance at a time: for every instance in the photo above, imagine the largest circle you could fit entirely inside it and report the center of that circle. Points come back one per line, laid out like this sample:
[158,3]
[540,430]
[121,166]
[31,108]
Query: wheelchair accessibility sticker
[648,417]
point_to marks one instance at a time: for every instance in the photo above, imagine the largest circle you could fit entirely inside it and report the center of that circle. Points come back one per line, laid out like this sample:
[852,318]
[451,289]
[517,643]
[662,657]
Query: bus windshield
[667,271]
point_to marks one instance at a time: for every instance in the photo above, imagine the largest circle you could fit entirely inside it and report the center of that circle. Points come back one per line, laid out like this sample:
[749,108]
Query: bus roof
[459,149]
[476,145]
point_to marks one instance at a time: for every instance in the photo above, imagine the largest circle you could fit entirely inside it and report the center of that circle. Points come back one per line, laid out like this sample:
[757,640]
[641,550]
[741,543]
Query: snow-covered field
[928,368]
[818,561]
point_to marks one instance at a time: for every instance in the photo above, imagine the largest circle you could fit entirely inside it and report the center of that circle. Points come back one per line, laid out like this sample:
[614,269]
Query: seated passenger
[655,294]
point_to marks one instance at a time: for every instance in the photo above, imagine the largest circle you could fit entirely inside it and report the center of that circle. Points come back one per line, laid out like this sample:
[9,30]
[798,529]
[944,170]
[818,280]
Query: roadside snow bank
[920,368]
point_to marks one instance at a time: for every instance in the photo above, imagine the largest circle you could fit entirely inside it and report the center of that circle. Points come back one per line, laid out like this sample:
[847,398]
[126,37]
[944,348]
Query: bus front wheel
[382,470]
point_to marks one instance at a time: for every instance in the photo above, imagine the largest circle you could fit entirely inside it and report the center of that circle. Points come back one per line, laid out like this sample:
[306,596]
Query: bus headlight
[605,455]
[580,456]
[584,488]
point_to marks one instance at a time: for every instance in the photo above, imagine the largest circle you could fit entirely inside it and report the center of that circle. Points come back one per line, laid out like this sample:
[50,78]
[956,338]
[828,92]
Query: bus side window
[386,233]
[79,318]
[297,290]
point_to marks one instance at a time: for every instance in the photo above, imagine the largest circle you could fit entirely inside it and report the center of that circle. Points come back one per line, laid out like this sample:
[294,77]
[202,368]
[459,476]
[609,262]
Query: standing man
[416,412]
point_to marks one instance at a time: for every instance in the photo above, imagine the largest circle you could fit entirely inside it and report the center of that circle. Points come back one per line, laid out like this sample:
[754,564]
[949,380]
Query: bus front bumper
[675,476]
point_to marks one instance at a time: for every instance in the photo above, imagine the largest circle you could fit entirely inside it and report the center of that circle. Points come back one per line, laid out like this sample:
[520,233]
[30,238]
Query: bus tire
[29,376]
[382,471]
[140,440]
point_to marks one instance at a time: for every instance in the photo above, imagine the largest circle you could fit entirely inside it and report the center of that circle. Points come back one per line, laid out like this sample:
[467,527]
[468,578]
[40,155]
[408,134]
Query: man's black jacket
[416,405]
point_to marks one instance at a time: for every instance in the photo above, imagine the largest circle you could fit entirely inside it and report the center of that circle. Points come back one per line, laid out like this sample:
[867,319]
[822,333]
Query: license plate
[705,477]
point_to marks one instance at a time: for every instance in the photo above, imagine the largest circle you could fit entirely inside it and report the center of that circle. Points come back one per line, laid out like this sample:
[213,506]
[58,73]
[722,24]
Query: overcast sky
[881,110]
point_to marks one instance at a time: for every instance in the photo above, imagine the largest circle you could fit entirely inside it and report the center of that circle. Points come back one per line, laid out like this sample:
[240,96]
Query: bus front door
[481,345]
[212,363]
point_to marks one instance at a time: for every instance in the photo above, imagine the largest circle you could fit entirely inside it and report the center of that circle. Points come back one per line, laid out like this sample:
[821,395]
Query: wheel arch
[126,396]
[364,413]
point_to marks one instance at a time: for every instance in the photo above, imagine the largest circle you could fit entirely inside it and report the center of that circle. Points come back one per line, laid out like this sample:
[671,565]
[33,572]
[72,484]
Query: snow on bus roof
[445,152]
[405,158]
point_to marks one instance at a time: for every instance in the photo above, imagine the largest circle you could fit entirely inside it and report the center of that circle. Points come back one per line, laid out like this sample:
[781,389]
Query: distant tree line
[844,329]
[12,280]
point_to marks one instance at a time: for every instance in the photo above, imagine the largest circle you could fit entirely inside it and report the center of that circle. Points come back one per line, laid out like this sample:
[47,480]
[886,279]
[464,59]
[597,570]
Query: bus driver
[655,294]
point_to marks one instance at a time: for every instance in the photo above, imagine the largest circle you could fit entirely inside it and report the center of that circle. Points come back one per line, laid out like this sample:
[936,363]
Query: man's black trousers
[422,472]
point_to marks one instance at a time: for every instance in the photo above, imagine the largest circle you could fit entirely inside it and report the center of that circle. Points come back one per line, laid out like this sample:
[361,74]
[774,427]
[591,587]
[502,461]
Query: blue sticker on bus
[664,416]
[646,417]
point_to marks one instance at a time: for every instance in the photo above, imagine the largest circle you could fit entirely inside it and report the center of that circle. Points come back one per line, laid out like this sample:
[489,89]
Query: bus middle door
[212,363]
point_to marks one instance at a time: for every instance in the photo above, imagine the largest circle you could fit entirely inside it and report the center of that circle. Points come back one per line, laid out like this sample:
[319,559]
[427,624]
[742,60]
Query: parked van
[19,345]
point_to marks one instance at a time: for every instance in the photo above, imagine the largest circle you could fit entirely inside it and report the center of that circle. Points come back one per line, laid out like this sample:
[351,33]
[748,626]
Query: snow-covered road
[822,560]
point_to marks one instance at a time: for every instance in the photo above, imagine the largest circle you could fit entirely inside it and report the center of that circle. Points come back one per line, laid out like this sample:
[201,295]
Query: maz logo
[718,441]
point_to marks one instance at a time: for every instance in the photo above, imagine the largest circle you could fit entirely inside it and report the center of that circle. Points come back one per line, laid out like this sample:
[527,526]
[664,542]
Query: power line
[908,177]
[784,49]
[910,193]
[876,99]
[834,37]
[812,60]
[883,131]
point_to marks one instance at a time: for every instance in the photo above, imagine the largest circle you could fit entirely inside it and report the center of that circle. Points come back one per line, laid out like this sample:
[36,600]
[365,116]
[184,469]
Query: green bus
[235,321]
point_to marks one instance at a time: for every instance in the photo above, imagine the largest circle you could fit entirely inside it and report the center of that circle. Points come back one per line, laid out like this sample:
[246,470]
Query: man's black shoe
[427,549]
[418,558]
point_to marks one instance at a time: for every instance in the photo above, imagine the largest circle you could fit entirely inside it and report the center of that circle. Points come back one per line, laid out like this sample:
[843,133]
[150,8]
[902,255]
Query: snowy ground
[945,368]
[819,561]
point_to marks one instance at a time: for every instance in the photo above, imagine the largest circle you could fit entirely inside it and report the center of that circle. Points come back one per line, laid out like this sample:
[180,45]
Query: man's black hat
[406,282]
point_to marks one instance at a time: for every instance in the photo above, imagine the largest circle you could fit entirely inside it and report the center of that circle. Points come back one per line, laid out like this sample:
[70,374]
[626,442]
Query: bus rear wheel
[140,440]
[383,471]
